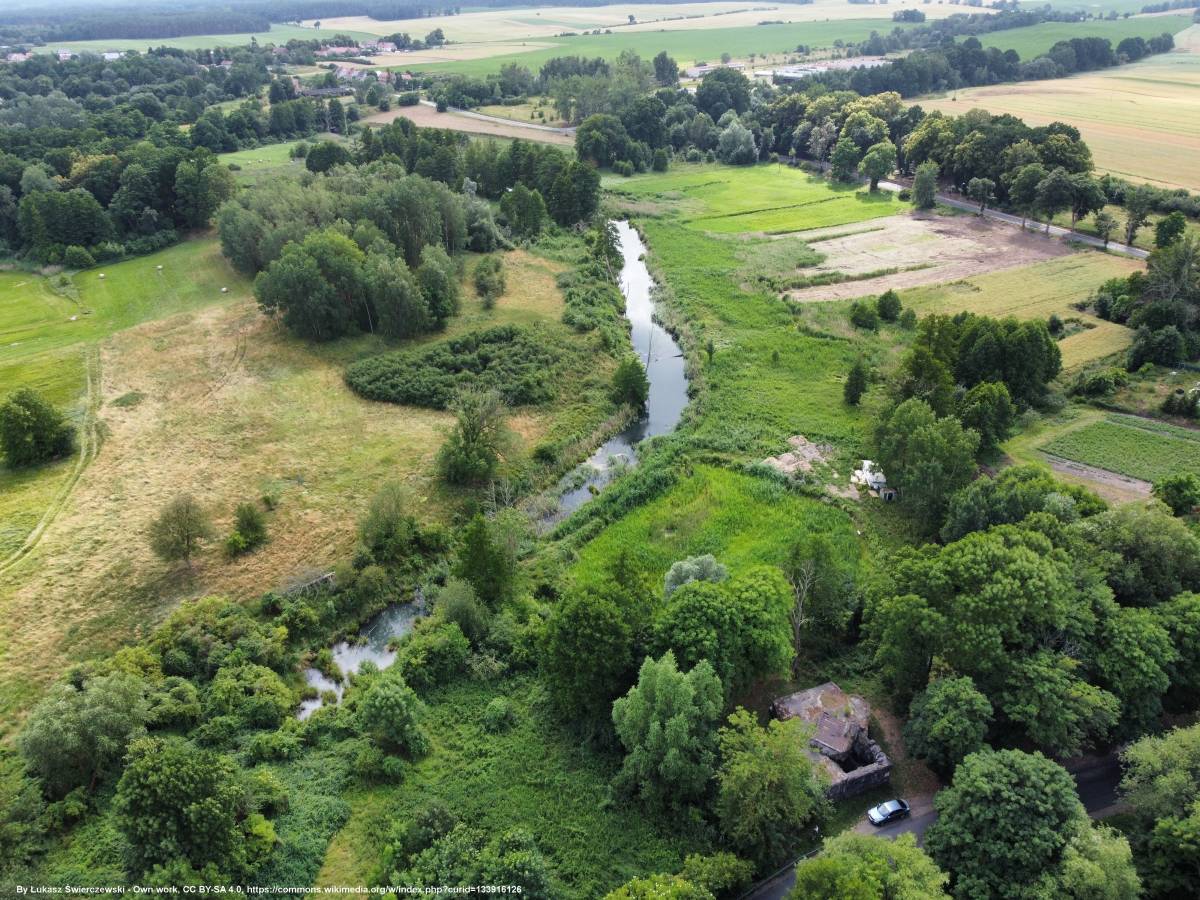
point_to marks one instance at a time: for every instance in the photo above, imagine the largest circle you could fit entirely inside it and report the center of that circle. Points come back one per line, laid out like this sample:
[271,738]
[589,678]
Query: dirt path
[1109,485]
[88,437]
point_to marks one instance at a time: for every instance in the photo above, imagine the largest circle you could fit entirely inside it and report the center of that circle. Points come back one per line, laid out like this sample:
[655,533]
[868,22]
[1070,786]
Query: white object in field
[224,290]
[101,274]
[159,268]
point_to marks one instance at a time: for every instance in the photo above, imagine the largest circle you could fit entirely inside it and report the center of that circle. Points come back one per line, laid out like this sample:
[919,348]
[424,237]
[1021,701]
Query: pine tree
[856,383]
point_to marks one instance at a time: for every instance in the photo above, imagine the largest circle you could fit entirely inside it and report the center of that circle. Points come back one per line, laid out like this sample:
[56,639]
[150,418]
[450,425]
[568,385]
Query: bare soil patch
[1111,486]
[926,249]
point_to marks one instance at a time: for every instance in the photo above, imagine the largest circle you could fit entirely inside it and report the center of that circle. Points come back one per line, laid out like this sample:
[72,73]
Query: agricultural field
[198,392]
[1146,449]
[429,117]
[1034,40]
[1141,121]
[279,34]
[1035,292]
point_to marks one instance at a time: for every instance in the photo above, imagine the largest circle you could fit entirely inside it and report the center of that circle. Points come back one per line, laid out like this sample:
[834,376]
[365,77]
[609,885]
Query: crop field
[1034,40]
[772,199]
[1140,448]
[1034,292]
[1141,121]
[429,117]
[279,34]
[686,46]
[551,21]
[208,396]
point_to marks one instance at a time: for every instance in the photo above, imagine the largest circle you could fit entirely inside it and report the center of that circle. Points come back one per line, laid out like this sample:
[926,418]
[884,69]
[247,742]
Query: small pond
[372,644]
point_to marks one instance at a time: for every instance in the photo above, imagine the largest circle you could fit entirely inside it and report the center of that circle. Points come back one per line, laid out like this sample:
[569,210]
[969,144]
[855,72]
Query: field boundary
[89,445]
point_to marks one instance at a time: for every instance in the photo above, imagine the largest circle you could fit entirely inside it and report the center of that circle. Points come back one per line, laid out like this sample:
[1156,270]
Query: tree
[1004,821]
[1138,204]
[857,382]
[472,451]
[740,627]
[485,563]
[981,190]
[629,384]
[1145,554]
[176,803]
[667,724]
[823,596]
[947,722]
[843,163]
[879,162]
[735,146]
[1087,197]
[1023,189]
[888,305]
[694,568]
[1169,229]
[1105,225]
[666,70]
[77,734]
[201,185]
[770,792]
[924,189]
[1013,494]
[927,458]
[524,210]
[390,713]
[1181,492]
[1162,789]
[317,285]
[324,155]
[180,529]
[438,280]
[32,431]
[587,655]
[1055,194]
[853,866]
[400,307]
[988,410]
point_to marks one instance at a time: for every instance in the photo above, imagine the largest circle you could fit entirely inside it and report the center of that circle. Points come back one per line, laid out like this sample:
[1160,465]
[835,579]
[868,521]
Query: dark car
[884,813]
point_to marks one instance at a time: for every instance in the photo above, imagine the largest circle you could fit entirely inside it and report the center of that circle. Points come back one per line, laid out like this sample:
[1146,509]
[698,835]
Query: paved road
[1055,230]
[484,117]
[1095,779]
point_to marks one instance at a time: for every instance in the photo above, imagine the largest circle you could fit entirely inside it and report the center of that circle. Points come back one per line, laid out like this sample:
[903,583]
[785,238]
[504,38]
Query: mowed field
[765,199]
[1142,121]
[1035,292]
[1140,448]
[199,392]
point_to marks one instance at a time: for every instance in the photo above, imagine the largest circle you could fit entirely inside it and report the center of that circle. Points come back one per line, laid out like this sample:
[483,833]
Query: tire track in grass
[88,436]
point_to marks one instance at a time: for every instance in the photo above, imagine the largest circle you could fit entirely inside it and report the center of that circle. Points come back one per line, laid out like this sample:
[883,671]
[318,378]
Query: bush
[661,160]
[33,431]
[249,530]
[498,715]
[434,653]
[1181,492]
[408,98]
[1099,383]
[863,315]
[908,320]
[489,280]
[78,258]
[457,603]
[517,362]
[623,167]
[629,384]
[390,714]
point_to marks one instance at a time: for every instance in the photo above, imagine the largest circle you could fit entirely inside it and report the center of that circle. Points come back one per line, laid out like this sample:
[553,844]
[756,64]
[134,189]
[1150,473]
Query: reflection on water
[665,370]
[395,621]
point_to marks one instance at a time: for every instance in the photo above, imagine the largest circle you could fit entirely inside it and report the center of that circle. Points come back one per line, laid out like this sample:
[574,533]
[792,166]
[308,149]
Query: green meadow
[1140,448]
[279,34]
[1035,40]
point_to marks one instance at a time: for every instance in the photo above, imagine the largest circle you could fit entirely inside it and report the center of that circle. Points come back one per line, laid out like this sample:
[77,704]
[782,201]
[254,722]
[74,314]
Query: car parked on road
[886,813]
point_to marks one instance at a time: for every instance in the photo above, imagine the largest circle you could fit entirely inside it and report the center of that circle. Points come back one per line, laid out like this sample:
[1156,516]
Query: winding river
[665,370]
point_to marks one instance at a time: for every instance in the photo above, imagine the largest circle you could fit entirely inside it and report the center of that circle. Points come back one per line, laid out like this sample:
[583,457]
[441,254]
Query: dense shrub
[863,315]
[517,362]
[434,653]
[33,431]
[489,280]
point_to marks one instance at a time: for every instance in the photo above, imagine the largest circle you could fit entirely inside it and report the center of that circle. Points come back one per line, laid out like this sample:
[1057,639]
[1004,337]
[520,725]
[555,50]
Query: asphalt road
[1096,781]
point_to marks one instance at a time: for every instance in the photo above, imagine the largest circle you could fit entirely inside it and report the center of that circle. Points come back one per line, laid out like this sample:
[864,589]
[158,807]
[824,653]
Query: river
[665,370]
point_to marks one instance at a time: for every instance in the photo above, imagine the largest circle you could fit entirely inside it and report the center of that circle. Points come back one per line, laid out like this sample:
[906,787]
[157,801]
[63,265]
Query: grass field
[269,159]
[742,520]
[1035,40]
[1034,292]
[772,199]
[214,399]
[1141,121]
[1140,448]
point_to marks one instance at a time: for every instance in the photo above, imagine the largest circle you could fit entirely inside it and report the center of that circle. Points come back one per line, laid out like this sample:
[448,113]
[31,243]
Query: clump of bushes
[498,716]
[489,280]
[517,362]
[863,315]
[1099,383]
[434,653]
[249,530]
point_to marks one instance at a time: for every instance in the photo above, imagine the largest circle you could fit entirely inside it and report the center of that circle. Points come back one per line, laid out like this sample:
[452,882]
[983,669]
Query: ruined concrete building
[840,743]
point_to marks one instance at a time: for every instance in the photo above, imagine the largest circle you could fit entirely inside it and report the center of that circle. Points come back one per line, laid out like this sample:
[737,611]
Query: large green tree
[667,725]
[32,431]
[947,721]
[865,867]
